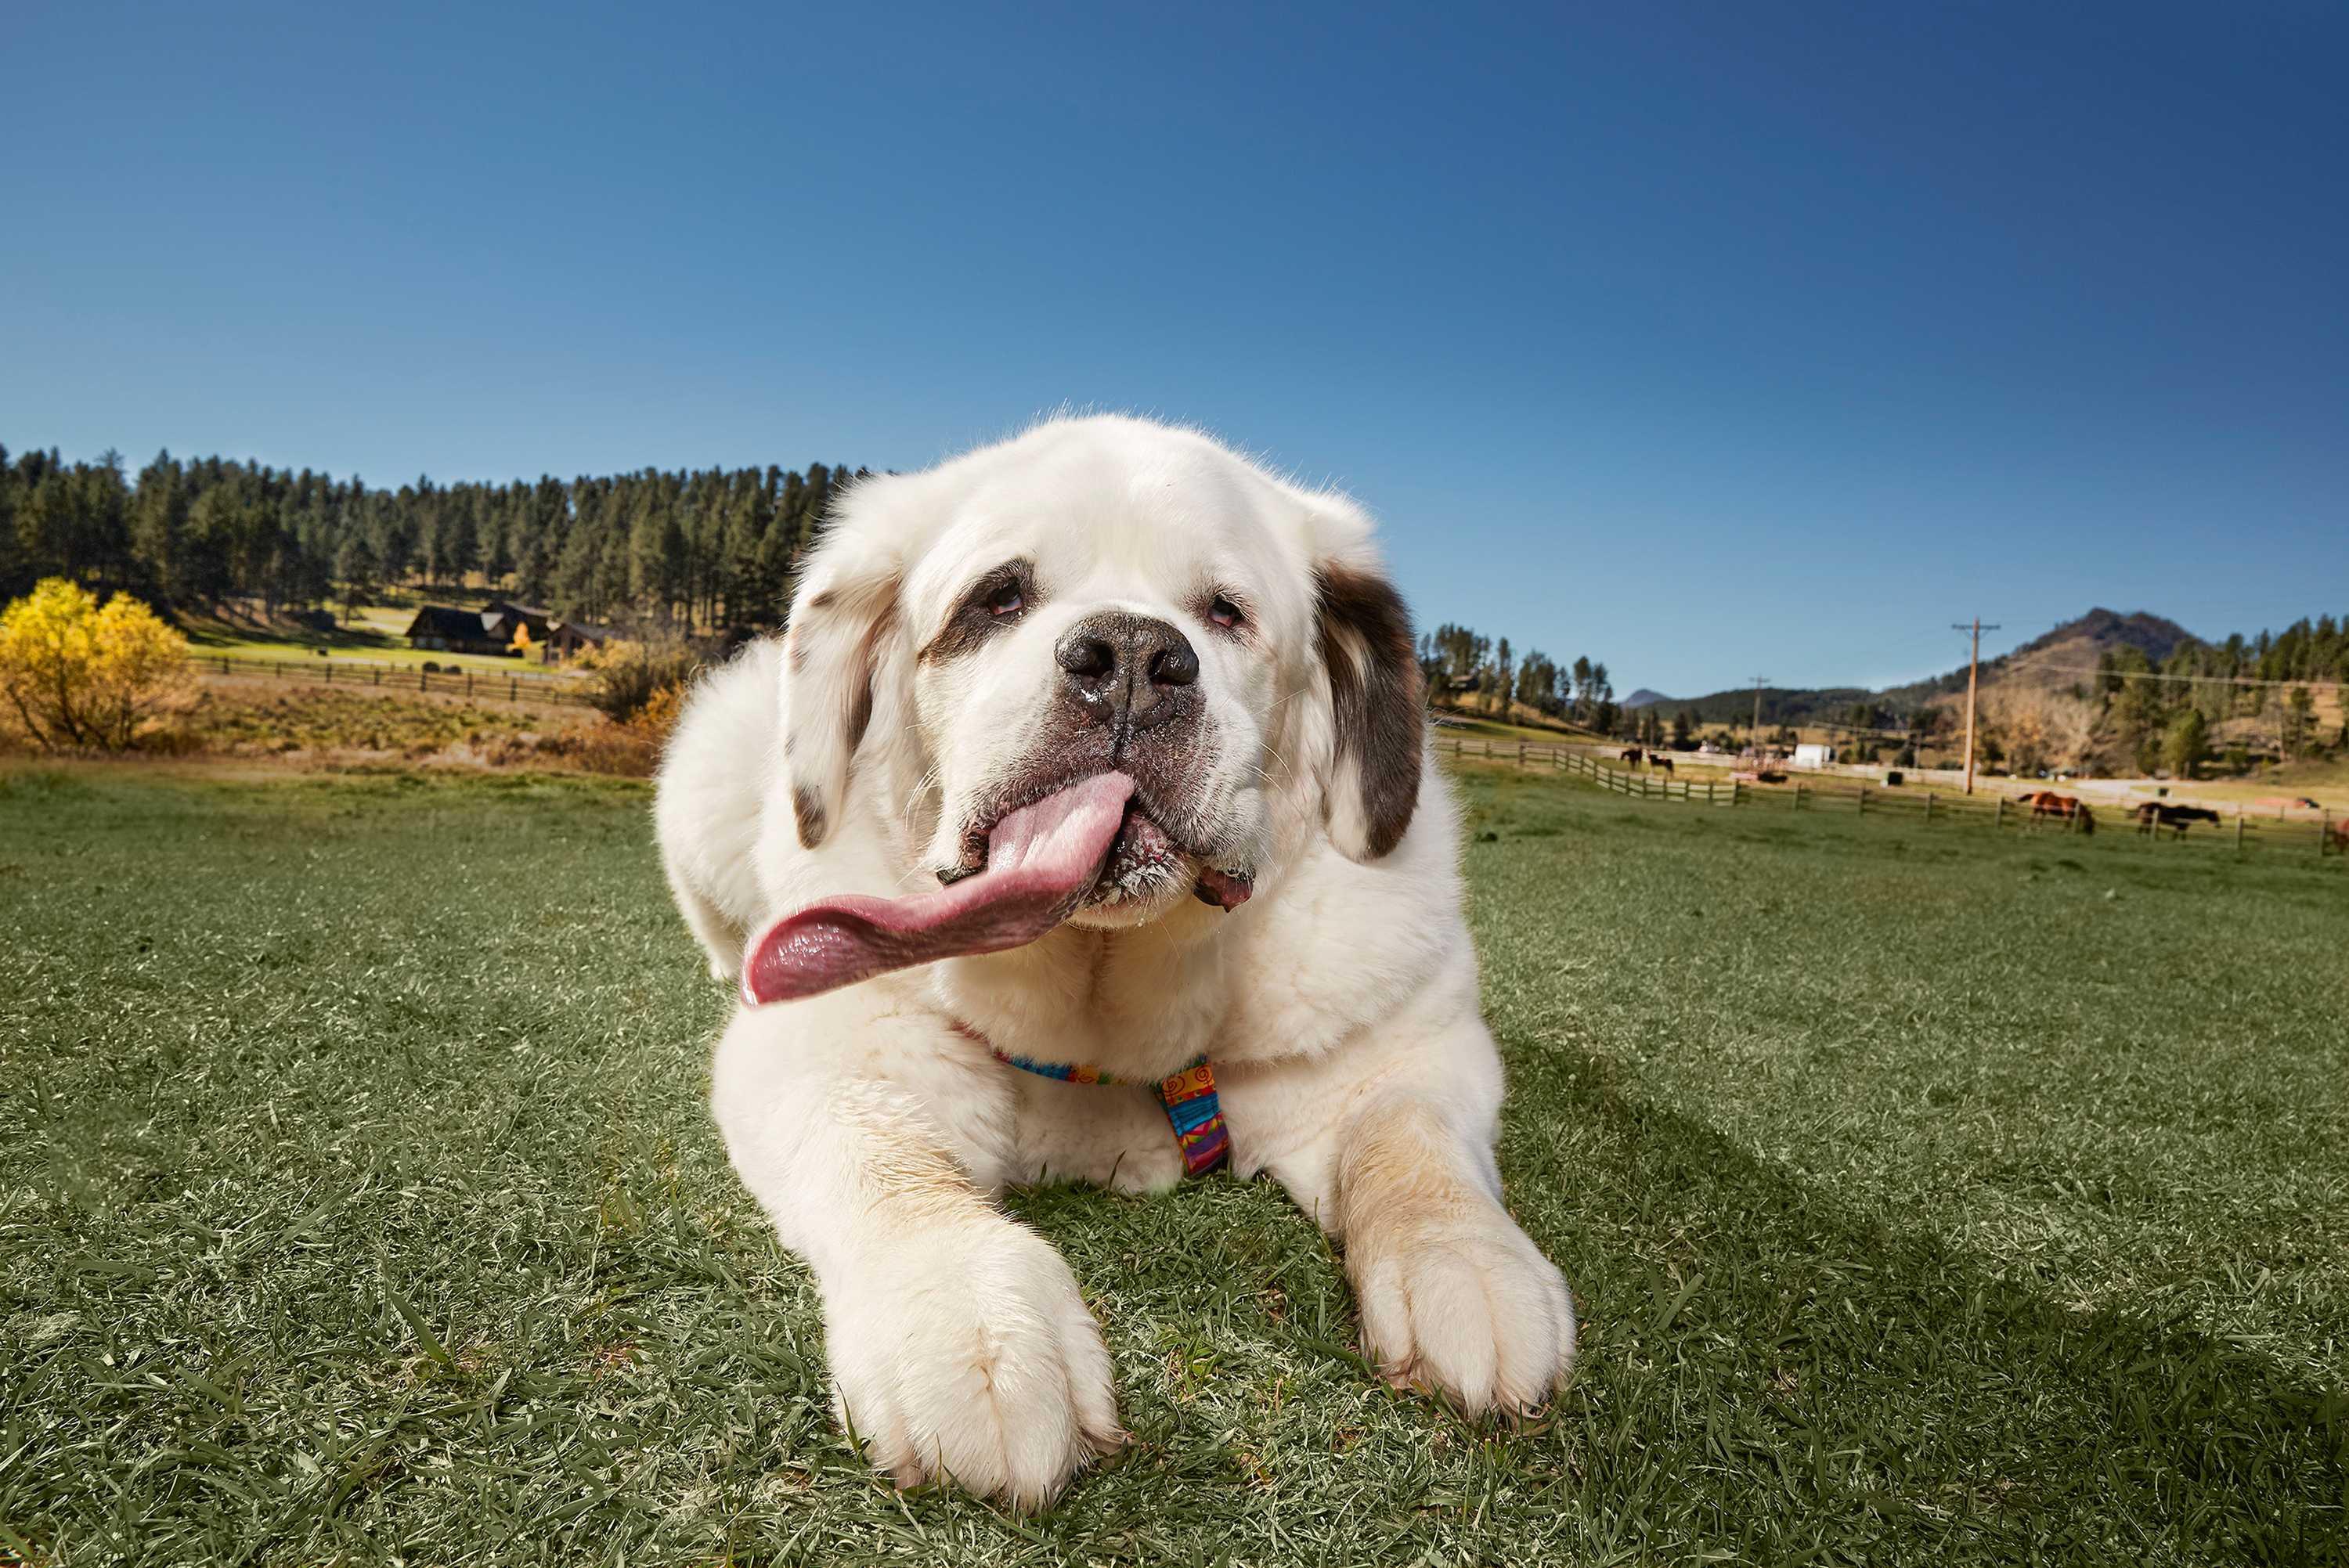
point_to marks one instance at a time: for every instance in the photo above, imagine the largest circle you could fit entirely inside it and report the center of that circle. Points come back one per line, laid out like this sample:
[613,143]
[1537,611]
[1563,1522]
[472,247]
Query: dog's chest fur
[1134,1004]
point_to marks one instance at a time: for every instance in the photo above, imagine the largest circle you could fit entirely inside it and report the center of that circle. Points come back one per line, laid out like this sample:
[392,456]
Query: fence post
[1863,799]
[513,688]
[1928,805]
[379,674]
[2324,831]
[2239,829]
[1521,754]
[422,676]
[1798,794]
[469,686]
[1998,818]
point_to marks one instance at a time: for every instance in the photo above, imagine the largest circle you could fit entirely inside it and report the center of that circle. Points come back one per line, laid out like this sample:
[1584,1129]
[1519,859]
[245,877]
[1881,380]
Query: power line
[2015,663]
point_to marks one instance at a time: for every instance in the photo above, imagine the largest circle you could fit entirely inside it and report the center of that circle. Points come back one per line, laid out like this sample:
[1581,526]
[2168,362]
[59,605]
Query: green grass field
[1929,1198]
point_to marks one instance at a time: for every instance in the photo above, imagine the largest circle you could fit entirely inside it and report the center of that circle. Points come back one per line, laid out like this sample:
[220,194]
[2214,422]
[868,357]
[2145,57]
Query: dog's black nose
[1133,671]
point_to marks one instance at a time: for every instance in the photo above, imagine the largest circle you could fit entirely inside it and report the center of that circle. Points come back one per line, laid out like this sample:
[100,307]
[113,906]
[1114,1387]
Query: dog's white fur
[1339,1006]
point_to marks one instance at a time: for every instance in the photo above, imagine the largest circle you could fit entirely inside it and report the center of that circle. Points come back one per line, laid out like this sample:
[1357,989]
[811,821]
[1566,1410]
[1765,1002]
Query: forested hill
[703,547]
[2078,653]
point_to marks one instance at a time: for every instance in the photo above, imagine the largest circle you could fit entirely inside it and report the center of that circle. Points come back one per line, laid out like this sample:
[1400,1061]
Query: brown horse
[1632,755]
[2073,813]
[2154,816]
[1659,761]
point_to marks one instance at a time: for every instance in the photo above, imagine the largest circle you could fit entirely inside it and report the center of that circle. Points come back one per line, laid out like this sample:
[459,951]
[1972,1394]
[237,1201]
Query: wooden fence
[480,685]
[1921,803]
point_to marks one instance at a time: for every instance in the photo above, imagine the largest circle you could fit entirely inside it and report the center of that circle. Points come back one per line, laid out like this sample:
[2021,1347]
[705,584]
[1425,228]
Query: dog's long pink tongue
[1042,861]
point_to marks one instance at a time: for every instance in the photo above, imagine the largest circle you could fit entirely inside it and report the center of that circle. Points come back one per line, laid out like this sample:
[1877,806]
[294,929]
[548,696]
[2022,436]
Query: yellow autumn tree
[73,674]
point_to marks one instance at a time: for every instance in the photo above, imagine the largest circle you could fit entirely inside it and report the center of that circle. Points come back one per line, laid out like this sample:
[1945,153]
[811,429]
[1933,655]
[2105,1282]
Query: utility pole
[1974,667]
[1758,681]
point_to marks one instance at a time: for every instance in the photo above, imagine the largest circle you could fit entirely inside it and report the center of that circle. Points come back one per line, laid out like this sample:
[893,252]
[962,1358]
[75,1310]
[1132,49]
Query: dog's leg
[1398,1167]
[1452,1293]
[959,1345]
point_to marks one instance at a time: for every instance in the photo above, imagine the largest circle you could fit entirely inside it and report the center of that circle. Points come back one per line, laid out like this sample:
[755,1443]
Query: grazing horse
[2073,813]
[1659,760]
[1632,755]
[2153,816]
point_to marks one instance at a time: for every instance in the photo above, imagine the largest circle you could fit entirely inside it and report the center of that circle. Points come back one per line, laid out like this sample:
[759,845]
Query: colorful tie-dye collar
[1188,1098]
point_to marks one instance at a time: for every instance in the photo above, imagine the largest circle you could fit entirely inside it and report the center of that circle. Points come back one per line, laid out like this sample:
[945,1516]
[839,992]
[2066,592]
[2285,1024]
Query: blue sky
[1708,341]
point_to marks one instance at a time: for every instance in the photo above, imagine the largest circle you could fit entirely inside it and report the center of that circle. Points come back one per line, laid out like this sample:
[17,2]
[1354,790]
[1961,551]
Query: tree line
[2312,651]
[688,548]
[2171,721]
[1466,669]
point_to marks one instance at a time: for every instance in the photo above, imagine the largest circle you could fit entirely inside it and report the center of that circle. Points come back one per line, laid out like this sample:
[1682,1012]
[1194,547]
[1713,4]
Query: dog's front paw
[1466,1306]
[967,1352]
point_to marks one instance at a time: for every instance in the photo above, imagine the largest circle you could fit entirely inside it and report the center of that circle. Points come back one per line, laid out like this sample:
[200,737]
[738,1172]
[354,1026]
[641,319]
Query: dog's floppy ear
[1376,706]
[844,611]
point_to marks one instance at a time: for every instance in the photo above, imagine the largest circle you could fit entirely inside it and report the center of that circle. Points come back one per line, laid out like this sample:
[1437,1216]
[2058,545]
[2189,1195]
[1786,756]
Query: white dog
[1100,749]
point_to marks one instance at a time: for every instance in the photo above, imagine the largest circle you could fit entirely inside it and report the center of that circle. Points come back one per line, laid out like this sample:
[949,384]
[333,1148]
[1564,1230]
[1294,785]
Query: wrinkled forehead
[1099,525]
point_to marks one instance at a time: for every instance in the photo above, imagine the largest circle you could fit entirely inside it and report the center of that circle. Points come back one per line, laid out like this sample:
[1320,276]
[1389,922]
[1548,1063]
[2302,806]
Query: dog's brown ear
[841,617]
[1377,706]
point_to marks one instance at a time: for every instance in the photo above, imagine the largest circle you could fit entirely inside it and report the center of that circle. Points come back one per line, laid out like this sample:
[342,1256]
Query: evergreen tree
[2299,723]
[2188,743]
[358,571]
[12,572]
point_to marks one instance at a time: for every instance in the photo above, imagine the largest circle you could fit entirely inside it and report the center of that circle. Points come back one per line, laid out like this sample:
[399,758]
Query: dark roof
[500,620]
[511,607]
[447,621]
[585,631]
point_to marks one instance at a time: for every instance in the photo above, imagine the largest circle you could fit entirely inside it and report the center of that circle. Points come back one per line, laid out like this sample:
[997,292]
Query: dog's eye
[1223,613]
[1006,601]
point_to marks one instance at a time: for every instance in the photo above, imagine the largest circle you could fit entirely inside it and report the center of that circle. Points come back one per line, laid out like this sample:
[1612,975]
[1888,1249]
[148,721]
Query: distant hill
[1643,697]
[2099,632]
[1780,705]
[2074,645]
[2054,657]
